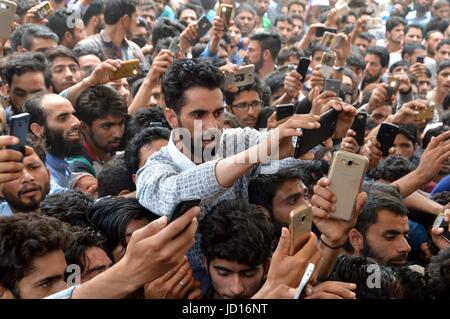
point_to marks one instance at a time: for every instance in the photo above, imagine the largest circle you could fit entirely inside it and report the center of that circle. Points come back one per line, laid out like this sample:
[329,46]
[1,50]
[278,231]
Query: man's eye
[223,272]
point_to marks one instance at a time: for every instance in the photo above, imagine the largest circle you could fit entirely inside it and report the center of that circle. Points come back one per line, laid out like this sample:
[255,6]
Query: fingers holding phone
[11,165]
[160,65]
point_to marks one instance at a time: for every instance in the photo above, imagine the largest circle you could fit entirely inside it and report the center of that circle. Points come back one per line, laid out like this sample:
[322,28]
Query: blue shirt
[58,169]
[442,186]
[412,18]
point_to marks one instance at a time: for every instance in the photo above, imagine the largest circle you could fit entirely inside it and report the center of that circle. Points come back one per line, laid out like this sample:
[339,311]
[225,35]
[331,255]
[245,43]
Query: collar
[106,39]
[89,151]
[181,161]
[58,164]
[5,209]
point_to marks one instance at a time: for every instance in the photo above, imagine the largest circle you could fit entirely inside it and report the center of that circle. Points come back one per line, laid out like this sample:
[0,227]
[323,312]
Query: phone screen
[183,207]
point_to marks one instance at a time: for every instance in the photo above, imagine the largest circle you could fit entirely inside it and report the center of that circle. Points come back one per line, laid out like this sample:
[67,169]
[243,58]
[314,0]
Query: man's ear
[84,128]
[5,293]
[171,117]
[133,177]
[37,130]
[267,55]
[68,37]
[124,192]
[356,240]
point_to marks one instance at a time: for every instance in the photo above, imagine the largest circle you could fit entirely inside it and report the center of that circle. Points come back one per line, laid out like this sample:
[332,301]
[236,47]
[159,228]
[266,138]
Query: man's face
[160,5]
[26,193]
[424,85]
[423,5]
[358,73]
[404,147]
[188,16]
[290,195]
[46,277]
[401,69]
[247,22]
[386,240]
[65,73]
[373,70]
[132,226]
[296,9]
[246,107]
[433,42]
[88,63]
[122,86]
[235,34]
[149,149]
[443,12]
[132,23]
[96,262]
[417,53]
[443,53]
[253,55]
[100,23]
[107,133]
[285,29]
[443,81]
[155,99]
[232,280]
[277,94]
[23,86]
[42,44]
[361,43]
[397,34]
[262,6]
[78,33]
[62,131]
[413,36]
[381,113]
[298,29]
[149,16]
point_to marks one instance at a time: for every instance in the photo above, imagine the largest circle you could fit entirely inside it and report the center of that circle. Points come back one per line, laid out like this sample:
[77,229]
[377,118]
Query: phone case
[302,67]
[332,85]
[359,126]
[45,10]
[284,110]
[300,222]
[7,13]
[245,76]
[225,11]
[128,69]
[314,137]
[183,207]
[393,86]
[346,175]
[386,136]
[203,27]
[426,115]
[18,127]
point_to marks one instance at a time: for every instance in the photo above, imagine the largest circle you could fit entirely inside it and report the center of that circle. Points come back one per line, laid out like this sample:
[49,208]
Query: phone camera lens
[350,163]
[302,219]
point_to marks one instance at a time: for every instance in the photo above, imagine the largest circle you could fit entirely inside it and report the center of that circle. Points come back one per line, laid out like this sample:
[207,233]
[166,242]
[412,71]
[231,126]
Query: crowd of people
[172,181]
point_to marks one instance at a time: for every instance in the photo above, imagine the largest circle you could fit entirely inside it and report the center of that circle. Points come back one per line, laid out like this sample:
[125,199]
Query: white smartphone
[346,175]
[306,277]
[7,14]
[245,76]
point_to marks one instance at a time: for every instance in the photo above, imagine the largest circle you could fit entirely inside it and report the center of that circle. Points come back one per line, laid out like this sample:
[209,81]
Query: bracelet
[329,246]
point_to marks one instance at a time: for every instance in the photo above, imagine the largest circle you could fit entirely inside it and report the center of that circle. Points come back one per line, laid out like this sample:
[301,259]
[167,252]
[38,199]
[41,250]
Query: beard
[368,78]
[58,146]
[367,251]
[422,8]
[32,204]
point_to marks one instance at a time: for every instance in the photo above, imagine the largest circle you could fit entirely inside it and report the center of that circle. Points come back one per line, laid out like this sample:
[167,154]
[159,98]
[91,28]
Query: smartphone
[341,10]
[7,15]
[359,126]
[386,136]
[284,110]
[245,76]
[225,11]
[329,40]
[420,59]
[441,223]
[302,67]
[332,85]
[130,68]
[346,175]
[18,127]
[393,86]
[321,30]
[44,10]
[183,207]
[300,222]
[174,47]
[305,279]
[203,27]
[314,137]
[327,63]
[427,114]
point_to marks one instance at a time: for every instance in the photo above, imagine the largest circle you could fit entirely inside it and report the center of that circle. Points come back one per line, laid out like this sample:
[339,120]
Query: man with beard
[102,112]
[422,14]
[262,51]
[245,18]
[68,27]
[24,194]
[53,121]
[261,9]
[93,19]
[64,68]
[377,62]
[285,27]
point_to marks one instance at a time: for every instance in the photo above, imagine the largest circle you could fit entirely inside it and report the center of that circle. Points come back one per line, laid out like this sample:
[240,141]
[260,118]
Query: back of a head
[268,41]
[61,22]
[37,31]
[393,168]
[114,178]
[381,52]
[438,275]
[21,63]
[94,9]
[165,28]
[113,10]
[235,231]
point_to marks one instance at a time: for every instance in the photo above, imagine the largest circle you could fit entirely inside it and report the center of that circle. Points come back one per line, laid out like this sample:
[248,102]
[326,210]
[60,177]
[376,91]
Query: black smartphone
[284,110]
[359,126]
[18,127]
[332,85]
[203,27]
[183,207]
[320,31]
[386,136]
[302,67]
[314,137]
[420,59]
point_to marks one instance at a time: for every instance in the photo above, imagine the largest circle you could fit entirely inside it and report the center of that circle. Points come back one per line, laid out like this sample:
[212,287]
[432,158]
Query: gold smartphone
[44,10]
[7,14]
[427,114]
[346,175]
[224,12]
[128,69]
[300,222]
[328,58]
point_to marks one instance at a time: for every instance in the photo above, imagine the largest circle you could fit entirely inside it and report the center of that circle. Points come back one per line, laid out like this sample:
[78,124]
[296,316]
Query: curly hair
[438,275]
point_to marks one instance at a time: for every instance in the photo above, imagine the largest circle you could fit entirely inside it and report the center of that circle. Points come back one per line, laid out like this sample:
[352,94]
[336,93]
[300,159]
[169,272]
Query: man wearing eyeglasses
[246,103]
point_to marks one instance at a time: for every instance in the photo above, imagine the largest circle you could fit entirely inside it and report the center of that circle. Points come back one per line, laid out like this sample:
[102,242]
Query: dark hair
[410,132]
[437,23]
[143,118]
[61,52]
[286,53]
[312,171]
[442,198]
[23,238]
[381,52]
[275,80]
[393,168]
[244,7]
[21,63]
[263,188]
[185,74]
[268,41]
[113,10]
[60,22]
[364,35]
[392,22]
[16,37]
[256,86]
[37,31]
[98,102]
[94,9]
[358,269]
[165,28]
[33,106]
[111,216]
[115,178]
[411,48]
[356,60]
[291,3]
[371,186]
[438,275]
[433,132]
[378,201]
[413,283]
[397,64]
[70,207]
[283,18]
[442,43]
[145,137]
[235,231]
[444,64]
[414,26]
[80,51]
[314,48]
[37,147]
[189,6]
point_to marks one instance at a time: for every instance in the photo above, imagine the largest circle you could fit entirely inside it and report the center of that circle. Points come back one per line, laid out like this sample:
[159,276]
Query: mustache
[30,188]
